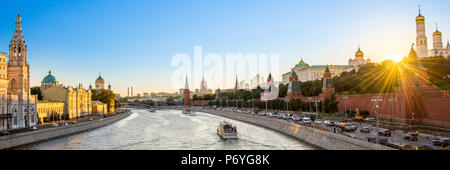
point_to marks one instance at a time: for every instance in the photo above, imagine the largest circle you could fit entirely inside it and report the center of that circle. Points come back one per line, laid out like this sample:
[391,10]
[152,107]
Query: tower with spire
[18,73]
[186,94]
[327,88]
[421,39]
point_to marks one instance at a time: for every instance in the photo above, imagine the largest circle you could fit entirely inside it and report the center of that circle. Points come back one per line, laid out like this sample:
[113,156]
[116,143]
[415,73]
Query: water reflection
[169,129]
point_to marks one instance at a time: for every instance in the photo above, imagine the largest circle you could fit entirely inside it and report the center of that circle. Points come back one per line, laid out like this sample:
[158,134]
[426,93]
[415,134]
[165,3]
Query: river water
[171,130]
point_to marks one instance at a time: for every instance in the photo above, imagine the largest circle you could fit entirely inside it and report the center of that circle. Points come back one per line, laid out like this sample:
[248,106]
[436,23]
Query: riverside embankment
[316,137]
[25,138]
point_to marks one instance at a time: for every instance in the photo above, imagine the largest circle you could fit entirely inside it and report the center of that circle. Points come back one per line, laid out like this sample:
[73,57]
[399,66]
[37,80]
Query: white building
[421,41]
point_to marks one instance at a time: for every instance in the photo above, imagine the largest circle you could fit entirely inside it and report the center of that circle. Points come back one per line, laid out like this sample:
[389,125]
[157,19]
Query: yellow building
[99,108]
[77,100]
[50,111]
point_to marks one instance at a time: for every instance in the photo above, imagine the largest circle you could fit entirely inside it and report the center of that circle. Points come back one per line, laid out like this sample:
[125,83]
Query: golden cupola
[359,53]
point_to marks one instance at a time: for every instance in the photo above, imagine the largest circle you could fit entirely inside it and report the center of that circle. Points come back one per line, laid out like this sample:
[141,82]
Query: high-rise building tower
[421,40]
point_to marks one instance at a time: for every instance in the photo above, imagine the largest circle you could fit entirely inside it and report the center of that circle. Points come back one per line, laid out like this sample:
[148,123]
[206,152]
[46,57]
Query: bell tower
[18,68]
[421,40]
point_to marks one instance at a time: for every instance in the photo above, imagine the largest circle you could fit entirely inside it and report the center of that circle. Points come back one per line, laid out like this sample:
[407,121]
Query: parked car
[4,133]
[33,128]
[365,129]
[384,132]
[74,122]
[443,142]
[411,136]
[55,125]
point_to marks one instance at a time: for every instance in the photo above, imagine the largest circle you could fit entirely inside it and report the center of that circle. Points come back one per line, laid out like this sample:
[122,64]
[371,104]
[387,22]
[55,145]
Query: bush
[364,113]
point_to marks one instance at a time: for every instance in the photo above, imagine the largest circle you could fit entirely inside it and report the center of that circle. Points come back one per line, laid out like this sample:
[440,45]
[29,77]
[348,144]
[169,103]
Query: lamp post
[392,99]
[310,99]
[345,105]
[377,107]
[316,103]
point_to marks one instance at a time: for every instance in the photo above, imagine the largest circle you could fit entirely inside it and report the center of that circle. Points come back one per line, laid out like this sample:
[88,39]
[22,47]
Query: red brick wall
[199,102]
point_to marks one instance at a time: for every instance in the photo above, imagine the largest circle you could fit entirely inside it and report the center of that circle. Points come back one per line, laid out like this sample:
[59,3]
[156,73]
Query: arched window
[12,85]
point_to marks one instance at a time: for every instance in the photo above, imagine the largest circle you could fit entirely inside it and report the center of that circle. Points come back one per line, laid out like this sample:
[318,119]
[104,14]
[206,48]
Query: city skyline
[126,54]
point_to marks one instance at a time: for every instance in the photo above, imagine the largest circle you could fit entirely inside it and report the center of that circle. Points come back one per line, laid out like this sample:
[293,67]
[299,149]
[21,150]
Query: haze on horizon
[132,42]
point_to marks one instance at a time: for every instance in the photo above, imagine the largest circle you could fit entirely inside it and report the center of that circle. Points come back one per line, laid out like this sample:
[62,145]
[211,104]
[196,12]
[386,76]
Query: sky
[132,42]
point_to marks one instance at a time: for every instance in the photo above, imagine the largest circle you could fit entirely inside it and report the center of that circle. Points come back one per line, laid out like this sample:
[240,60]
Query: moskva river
[171,130]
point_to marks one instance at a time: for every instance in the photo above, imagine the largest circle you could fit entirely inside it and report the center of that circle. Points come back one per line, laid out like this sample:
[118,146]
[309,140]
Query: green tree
[36,90]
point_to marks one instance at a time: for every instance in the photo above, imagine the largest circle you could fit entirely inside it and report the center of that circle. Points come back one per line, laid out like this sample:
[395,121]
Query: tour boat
[186,111]
[227,131]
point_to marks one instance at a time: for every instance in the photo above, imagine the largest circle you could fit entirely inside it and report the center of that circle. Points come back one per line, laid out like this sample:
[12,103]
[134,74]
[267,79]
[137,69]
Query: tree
[36,91]
[105,96]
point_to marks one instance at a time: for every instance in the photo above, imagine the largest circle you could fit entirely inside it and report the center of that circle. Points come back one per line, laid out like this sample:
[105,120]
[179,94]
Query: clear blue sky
[131,42]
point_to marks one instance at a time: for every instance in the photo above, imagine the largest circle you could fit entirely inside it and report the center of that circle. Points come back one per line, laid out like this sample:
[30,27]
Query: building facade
[77,100]
[50,111]
[5,116]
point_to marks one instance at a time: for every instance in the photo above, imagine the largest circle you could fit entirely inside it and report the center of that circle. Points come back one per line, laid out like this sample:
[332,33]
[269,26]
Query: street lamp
[345,105]
[377,99]
[392,99]
[310,99]
[316,103]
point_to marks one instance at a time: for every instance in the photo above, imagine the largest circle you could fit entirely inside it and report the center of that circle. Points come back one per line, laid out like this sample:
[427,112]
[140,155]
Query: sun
[396,58]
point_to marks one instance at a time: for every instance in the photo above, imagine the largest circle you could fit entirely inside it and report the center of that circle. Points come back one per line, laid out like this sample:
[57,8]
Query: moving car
[384,132]
[306,120]
[411,136]
[443,142]
[365,129]
[329,123]
[350,127]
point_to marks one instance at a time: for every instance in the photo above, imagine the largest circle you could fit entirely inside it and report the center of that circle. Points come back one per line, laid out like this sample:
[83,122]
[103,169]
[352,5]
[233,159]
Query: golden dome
[437,33]
[331,67]
[359,53]
[100,80]
[420,18]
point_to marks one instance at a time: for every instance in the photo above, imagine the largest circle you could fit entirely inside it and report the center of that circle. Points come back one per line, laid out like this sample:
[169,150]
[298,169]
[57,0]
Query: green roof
[49,78]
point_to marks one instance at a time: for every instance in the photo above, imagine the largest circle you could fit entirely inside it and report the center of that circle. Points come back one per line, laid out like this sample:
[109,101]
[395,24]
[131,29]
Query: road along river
[171,130]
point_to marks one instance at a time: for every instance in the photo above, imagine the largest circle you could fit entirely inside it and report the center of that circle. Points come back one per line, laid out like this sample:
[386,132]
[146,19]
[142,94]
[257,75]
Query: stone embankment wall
[316,137]
[25,138]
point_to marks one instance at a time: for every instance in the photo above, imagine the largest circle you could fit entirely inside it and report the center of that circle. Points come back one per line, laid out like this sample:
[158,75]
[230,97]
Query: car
[384,132]
[443,142]
[350,127]
[365,129]
[4,133]
[91,119]
[318,122]
[55,125]
[74,122]
[296,118]
[33,128]
[411,136]
[328,123]
[65,124]
[306,120]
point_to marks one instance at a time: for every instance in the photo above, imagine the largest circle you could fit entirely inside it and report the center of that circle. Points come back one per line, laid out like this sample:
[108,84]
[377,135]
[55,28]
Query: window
[15,120]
